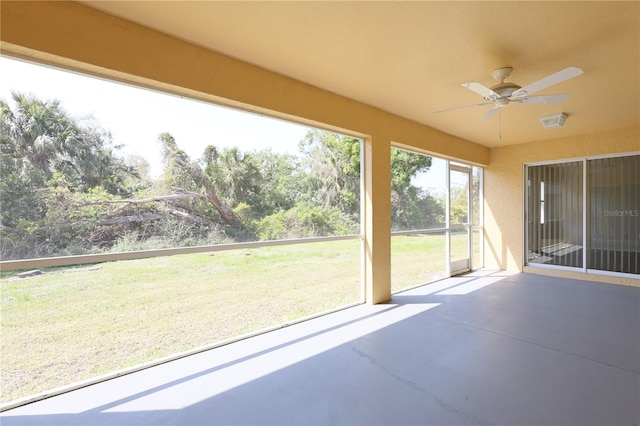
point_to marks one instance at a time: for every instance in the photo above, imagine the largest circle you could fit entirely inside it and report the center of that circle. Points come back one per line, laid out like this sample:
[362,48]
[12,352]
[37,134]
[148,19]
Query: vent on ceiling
[553,121]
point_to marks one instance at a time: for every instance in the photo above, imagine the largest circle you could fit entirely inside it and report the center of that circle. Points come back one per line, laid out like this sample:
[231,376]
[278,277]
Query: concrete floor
[490,348]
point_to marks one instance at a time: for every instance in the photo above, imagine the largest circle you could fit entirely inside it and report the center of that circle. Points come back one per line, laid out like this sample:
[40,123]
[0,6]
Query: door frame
[460,266]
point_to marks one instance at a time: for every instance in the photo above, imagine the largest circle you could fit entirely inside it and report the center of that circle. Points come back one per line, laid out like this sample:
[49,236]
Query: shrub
[306,221]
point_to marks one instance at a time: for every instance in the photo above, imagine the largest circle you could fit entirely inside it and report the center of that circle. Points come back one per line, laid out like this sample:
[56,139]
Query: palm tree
[48,162]
[236,176]
[42,136]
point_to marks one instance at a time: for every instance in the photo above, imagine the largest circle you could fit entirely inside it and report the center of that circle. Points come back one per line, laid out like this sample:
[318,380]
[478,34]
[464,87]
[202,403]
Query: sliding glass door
[614,211]
[585,214]
[554,215]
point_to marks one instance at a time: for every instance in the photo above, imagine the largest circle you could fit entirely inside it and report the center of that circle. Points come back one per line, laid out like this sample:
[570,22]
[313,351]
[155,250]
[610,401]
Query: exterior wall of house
[76,37]
[504,196]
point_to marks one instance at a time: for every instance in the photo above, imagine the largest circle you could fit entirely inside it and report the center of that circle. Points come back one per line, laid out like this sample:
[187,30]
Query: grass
[421,258]
[71,324]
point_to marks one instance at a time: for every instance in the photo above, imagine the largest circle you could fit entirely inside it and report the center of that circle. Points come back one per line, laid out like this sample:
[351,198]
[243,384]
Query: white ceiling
[410,57]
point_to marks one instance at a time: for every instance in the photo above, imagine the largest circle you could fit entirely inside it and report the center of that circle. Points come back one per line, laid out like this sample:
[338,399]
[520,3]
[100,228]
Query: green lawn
[74,323]
[419,259]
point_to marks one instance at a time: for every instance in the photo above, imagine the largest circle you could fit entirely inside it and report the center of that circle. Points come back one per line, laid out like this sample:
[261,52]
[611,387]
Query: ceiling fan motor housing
[504,90]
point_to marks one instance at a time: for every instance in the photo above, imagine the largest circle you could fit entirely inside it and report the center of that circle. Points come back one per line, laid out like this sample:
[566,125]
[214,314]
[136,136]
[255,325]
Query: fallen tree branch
[143,217]
[132,219]
[211,195]
[186,216]
[184,194]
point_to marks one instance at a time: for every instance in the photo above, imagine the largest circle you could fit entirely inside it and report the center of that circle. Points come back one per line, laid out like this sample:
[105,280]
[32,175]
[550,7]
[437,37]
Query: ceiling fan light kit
[502,94]
[553,121]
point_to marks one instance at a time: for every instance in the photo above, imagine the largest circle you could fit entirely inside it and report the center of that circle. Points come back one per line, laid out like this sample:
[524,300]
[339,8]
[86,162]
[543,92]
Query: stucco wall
[503,188]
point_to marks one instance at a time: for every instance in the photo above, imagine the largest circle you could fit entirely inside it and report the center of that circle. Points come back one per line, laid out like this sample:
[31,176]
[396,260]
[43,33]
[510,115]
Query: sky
[136,116]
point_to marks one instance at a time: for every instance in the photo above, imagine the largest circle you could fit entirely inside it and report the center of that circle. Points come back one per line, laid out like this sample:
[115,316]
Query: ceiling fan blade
[482,90]
[549,80]
[542,99]
[493,111]
[460,107]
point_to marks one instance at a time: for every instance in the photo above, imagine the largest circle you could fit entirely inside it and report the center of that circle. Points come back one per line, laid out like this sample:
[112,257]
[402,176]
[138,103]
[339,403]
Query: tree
[65,188]
[331,163]
[404,166]
[459,208]
[416,209]
[42,139]
[270,184]
[188,176]
[235,174]
[332,166]
[48,158]
[411,208]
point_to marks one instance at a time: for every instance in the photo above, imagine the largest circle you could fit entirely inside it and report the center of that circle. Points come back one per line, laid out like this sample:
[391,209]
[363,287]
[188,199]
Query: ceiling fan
[503,93]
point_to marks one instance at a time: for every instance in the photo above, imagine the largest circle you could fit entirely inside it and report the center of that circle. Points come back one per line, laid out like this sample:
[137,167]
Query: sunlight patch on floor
[182,394]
